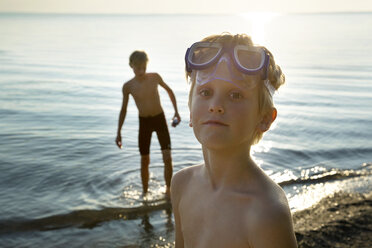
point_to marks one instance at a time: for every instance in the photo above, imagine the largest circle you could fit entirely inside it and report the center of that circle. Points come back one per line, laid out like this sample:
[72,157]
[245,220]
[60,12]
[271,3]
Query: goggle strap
[269,87]
[266,66]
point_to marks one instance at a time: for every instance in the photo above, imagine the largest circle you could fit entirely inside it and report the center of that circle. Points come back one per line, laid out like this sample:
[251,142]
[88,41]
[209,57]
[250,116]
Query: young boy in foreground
[144,89]
[229,201]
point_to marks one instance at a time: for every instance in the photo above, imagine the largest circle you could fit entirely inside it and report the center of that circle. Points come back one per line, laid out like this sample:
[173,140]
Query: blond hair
[274,75]
[138,57]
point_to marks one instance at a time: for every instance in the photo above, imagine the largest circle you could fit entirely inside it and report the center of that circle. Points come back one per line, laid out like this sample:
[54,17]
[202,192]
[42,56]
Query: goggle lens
[202,55]
[251,60]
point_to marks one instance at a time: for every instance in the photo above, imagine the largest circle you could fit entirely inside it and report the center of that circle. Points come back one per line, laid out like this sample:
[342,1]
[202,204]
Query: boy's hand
[118,141]
[176,119]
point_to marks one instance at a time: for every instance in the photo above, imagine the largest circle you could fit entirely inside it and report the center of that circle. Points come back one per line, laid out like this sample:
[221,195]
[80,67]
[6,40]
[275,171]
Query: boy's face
[139,69]
[225,114]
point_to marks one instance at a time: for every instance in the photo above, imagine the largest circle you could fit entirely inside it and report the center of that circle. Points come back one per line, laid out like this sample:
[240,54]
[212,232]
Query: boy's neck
[228,167]
[140,78]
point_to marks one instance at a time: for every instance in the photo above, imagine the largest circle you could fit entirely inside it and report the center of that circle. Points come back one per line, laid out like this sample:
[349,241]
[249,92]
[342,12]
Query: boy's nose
[216,109]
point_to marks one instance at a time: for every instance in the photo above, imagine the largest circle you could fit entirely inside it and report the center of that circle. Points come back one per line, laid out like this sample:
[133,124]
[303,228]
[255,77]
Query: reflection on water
[151,236]
[304,196]
[132,196]
[258,21]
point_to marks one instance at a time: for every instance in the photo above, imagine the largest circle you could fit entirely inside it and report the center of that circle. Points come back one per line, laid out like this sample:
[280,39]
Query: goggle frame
[232,50]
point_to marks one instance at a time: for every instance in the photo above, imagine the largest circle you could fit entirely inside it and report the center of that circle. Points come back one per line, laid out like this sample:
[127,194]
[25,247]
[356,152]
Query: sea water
[63,181]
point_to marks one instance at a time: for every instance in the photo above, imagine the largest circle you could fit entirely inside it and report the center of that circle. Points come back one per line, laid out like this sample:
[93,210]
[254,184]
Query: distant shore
[341,220]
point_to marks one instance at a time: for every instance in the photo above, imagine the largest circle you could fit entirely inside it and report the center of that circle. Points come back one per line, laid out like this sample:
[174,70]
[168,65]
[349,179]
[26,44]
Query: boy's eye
[205,92]
[236,95]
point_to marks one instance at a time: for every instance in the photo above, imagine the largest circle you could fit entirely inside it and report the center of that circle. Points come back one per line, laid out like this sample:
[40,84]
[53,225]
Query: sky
[184,6]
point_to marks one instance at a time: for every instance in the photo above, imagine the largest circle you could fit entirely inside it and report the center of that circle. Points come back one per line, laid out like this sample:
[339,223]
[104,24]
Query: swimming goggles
[247,60]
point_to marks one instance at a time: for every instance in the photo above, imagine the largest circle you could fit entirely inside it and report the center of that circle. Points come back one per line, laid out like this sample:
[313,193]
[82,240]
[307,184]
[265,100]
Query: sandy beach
[341,220]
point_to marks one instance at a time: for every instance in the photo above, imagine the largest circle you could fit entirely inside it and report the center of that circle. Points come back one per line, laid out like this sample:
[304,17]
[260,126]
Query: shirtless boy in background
[144,90]
[229,201]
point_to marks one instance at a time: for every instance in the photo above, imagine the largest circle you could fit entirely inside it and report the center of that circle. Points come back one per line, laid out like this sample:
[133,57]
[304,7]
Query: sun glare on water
[258,22]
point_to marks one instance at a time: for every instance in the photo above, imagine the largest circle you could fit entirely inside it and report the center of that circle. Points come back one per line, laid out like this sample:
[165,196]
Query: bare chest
[144,90]
[213,221]
[146,97]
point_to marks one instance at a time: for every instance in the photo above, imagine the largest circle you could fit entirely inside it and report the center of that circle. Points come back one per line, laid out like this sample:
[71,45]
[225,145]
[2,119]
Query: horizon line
[180,13]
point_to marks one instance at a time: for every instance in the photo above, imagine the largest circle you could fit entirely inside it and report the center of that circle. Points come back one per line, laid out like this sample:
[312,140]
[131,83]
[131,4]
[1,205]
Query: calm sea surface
[63,181]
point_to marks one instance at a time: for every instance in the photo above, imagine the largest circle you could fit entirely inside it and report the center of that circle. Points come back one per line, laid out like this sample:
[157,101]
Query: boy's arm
[122,115]
[171,96]
[274,229]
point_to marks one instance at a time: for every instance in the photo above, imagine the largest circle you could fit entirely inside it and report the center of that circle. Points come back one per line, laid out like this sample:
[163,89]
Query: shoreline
[339,220]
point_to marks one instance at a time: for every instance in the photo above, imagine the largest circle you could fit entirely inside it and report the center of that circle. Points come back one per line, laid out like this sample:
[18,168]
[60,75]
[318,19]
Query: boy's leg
[162,132]
[144,140]
[168,168]
[145,161]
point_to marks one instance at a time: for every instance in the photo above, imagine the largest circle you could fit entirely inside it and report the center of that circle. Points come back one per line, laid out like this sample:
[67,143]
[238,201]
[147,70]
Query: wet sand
[342,220]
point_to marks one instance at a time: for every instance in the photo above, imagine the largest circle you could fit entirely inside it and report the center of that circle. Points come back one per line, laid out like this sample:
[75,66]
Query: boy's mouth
[214,122]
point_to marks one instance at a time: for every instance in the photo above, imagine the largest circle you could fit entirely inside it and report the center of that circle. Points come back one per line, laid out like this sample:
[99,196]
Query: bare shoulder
[271,220]
[153,76]
[183,176]
[127,86]
[181,179]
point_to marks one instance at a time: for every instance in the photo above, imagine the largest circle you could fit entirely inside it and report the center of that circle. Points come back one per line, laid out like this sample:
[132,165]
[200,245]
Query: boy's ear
[131,65]
[267,120]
